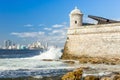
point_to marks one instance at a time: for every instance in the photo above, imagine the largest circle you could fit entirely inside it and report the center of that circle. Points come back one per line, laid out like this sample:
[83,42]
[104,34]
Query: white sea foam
[16,67]
[35,62]
[98,74]
[51,53]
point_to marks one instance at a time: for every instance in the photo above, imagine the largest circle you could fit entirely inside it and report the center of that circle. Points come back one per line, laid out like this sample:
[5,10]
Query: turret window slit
[75,22]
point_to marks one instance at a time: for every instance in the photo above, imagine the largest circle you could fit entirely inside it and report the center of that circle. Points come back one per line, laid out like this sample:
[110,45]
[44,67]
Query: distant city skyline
[27,21]
[37,45]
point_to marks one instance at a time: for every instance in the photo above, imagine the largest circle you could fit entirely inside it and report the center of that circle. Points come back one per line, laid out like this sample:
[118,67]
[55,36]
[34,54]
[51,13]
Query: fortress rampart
[94,41]
[102,40]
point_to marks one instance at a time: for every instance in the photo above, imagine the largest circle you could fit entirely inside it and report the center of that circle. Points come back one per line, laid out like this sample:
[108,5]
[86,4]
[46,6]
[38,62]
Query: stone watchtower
[75,18]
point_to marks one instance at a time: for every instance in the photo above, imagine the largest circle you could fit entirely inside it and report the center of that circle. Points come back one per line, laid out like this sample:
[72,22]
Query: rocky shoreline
[79,74]
[92,60]
[86,68]
[111,74]
[82,73]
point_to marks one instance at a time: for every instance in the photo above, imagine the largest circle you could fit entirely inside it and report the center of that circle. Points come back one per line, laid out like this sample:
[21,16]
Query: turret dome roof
[76,11]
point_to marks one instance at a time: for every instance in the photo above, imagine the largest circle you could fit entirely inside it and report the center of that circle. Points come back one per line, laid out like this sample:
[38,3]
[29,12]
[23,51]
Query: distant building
[7,44]
[18,46]
[23,47]
[36,45]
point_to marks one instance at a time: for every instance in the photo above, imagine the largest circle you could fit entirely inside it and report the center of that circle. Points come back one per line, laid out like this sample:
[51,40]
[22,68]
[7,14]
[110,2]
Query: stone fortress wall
[97,40]
[101,40]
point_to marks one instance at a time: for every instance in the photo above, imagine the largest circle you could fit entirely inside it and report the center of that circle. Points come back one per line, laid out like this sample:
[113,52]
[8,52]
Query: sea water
[36,63]
[30,63]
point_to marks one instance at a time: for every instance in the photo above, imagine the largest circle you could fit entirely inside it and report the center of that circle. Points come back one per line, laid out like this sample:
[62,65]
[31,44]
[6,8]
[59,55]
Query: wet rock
[69,62]
[116,77]
[105,78]
[78,73]
[75,75]
[83,60]
[91,77]
[95,60]
[89,59]
[69,76]
[47,59]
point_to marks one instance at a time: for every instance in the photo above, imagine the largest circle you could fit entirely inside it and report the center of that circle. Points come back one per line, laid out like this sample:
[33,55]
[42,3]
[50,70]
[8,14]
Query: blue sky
[25,21]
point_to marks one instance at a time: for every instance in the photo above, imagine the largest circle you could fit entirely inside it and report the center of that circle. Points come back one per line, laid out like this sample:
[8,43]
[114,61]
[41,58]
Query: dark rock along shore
[78,75]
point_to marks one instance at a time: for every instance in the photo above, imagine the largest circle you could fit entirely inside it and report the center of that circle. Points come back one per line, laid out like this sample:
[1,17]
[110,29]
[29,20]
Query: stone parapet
[96,29]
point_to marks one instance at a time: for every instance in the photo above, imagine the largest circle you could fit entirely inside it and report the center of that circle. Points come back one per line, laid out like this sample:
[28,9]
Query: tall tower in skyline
[76,18]
[7,44]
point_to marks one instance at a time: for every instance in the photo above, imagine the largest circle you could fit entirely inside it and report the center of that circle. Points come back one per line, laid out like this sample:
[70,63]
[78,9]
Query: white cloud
[57,26]
[56,35]
[56,31]
[28,25]
[59,29]
[48,29]
[41,25]
[28,34]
